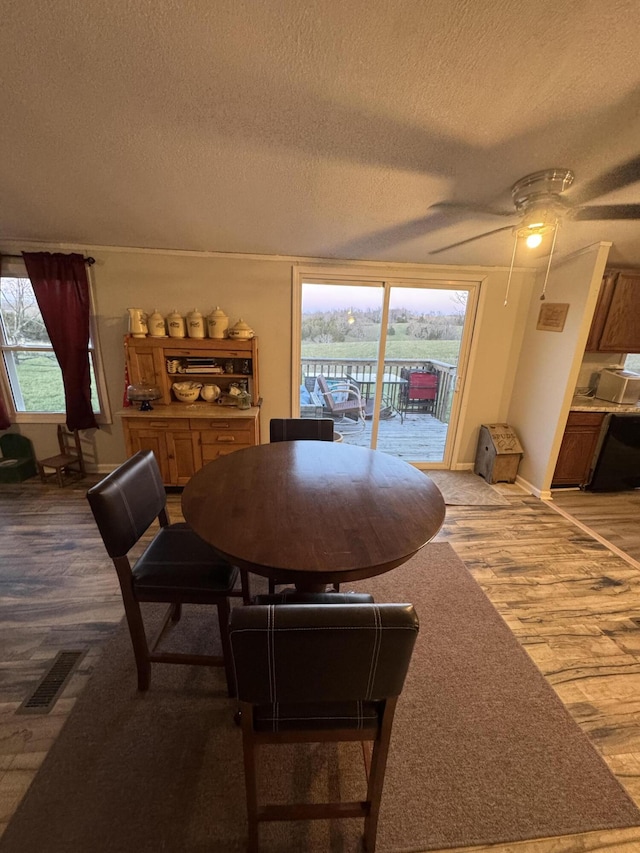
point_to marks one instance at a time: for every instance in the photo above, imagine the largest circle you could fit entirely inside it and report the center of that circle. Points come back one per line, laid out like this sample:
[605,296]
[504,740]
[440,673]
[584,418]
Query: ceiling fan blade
[471,239]
[607,211]
[450,206]
[619,177]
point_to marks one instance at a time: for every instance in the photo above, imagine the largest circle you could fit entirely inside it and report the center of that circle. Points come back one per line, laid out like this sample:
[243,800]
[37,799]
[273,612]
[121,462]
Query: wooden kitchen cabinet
[185,436]
[616,321]
[578,446]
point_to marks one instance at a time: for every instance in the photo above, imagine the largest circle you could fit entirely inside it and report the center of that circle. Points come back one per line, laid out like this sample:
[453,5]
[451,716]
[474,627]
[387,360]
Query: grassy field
[446,351]
[41,383]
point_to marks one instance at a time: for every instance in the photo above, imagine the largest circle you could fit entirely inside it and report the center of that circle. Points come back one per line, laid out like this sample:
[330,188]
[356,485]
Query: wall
[259,290]
[550,362]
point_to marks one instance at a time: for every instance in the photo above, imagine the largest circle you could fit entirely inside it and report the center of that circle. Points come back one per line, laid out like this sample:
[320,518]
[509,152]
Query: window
[29,370]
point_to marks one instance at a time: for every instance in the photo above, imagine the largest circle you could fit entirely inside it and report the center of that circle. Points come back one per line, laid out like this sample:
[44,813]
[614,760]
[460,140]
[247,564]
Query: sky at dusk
[326,297]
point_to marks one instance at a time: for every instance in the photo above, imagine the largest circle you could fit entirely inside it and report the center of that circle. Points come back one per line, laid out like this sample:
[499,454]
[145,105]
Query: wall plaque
[552,316]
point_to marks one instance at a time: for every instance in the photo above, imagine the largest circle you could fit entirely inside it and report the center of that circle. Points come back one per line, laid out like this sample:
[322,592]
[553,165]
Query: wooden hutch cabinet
[616,321]
[185,436]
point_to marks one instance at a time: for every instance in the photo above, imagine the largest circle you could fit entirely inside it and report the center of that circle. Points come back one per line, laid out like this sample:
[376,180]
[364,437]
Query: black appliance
[617,467]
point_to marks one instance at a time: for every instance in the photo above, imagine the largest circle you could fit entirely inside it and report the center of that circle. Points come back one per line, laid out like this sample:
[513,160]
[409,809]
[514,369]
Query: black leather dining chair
[177,567]
[297,429]
[310,674]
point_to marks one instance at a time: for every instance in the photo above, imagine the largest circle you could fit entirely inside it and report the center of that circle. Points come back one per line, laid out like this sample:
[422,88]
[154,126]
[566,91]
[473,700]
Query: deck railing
[363,367]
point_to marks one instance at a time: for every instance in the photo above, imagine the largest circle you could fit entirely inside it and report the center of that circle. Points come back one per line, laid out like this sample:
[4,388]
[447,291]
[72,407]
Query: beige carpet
[482,750]
[464,488]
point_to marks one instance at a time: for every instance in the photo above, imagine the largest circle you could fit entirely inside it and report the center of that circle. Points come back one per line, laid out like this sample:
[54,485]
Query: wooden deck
[418,438]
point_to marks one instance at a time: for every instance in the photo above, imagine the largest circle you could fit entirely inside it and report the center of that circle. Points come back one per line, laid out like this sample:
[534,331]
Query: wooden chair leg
[244,582]
[138,637]
[176,612]
[251,790]
[376,776]
[272,586]
[223,620]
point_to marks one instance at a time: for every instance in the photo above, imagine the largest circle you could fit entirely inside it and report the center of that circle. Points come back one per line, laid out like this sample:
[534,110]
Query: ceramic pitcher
[137,322]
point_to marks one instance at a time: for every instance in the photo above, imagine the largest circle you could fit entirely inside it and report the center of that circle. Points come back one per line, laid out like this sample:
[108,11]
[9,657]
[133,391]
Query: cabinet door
[621,332]
[151,439]
[577,449]
[183,454]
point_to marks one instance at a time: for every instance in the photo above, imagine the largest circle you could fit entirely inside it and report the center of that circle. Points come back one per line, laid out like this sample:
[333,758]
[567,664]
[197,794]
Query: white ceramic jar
[195,324]
[157,328]
[176,325]
[217,323]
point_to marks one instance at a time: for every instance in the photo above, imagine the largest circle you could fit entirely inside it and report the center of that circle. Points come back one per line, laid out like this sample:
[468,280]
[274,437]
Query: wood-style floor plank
[572,603]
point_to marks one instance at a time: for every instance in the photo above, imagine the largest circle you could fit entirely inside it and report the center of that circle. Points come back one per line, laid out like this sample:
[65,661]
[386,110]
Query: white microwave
[618,386]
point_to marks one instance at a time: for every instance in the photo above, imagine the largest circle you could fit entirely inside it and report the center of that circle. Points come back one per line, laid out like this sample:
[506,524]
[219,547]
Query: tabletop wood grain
[313,511]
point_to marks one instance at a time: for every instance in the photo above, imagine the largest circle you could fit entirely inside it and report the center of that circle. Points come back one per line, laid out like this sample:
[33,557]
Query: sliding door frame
[389,277]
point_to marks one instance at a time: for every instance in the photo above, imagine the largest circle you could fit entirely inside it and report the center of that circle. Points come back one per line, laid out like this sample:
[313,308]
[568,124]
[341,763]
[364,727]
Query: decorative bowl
[187,392]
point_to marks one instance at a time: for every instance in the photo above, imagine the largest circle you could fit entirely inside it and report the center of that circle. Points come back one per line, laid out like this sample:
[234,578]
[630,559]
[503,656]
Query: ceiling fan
[538,205]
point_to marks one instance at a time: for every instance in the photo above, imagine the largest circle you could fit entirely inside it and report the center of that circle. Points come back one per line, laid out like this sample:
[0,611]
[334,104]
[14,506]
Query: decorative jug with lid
[195,324]
[217,323]
[176,325]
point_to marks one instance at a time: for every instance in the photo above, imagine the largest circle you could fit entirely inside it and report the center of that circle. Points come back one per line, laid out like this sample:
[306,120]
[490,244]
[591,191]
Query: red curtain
[5,423]
[61,288]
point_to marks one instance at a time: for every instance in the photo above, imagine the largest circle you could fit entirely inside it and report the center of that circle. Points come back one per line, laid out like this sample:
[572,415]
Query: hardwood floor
[572,603]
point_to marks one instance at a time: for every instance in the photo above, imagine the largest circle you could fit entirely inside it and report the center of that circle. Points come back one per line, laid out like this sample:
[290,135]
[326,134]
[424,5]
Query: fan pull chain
[546,278]
[513,257]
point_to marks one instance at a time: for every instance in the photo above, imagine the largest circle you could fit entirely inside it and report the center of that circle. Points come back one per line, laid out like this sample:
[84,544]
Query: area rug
[464,488]
[482,750]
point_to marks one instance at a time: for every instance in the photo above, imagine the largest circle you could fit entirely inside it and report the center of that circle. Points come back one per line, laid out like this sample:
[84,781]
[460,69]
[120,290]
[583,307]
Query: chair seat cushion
[179,562]
[292,596]
[303,717]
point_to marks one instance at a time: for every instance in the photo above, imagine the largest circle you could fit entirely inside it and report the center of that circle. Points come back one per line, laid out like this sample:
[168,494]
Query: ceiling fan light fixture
[534,239]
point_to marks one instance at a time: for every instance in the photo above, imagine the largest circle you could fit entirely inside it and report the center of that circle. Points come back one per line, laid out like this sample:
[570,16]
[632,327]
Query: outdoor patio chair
[313,674]
[420,392]
[344,403]
[177,567]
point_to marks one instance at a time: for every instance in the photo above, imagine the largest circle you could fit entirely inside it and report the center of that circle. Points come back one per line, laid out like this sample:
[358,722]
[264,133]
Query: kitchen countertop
[593,404]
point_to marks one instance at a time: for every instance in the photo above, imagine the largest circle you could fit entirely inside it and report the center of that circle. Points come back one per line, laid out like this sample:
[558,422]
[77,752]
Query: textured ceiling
[322,128]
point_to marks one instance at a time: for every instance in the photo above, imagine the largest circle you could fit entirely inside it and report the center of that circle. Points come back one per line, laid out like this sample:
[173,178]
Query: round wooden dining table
[312,513]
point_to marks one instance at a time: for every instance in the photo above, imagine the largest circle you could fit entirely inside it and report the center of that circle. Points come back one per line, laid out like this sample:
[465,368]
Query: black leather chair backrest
[306,653]
[127,501]
[294,429]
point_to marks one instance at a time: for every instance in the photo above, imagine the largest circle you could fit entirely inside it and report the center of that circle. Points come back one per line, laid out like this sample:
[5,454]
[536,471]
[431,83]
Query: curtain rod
[90,261]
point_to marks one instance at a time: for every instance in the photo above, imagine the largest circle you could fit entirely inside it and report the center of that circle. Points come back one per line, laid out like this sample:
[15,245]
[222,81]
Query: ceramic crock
[195,324]
[217,323]
[176,325]
[156,324]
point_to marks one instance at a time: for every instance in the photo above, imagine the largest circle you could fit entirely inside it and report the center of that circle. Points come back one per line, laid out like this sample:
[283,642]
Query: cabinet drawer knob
[226,438]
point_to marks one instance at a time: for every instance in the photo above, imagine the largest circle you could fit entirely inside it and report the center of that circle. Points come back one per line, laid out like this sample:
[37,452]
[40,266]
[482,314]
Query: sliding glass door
[385,360]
